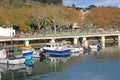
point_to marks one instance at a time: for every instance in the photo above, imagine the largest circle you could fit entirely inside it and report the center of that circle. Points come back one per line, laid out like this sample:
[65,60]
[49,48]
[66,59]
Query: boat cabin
[56,45]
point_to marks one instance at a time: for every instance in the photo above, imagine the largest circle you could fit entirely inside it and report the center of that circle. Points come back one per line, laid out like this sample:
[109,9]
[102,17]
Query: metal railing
[68,33]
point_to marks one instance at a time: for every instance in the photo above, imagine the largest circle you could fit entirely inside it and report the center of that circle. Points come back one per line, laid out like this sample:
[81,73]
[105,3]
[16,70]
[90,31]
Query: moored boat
[27,52]
[54,49]
[95,45]
[75,48]
[7,60]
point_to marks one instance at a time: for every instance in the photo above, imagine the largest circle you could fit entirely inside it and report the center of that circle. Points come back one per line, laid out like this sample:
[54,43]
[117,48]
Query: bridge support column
[75,40]
[84,39]
[52,40]
[27,43]
[103,41]
[119,40]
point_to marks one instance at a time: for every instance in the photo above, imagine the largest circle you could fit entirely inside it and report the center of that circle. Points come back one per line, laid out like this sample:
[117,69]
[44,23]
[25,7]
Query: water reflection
[95,53]
[108,54]
[15,72]
[29,64]
[52,64]
[58,59]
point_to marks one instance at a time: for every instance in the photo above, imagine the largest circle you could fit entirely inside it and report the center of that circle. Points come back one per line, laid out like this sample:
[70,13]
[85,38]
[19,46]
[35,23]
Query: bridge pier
[119,40]
[84,39]
[27,43]
[75,40]
[103,41]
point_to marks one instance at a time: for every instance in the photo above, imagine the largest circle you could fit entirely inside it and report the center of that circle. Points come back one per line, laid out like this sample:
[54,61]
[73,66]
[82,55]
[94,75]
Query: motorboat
[27,52]
[76,50]
[95,45]
[54,49]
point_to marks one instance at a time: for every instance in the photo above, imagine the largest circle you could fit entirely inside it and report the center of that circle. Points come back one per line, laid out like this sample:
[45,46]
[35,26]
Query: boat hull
[28,55]
[58,53]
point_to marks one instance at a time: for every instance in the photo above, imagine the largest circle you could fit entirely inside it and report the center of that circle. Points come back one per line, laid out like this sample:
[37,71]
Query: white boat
[54,49]
[6,60]
[85,45]
[95,45]
[75,48]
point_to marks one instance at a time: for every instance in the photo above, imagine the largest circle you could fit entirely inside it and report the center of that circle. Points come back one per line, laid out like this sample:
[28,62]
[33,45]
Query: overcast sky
[86,3]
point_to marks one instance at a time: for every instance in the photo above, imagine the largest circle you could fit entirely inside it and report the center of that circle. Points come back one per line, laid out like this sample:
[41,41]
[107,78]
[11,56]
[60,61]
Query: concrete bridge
[75,37]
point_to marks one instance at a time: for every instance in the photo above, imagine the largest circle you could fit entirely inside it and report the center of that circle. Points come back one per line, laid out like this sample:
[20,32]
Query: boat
[54,49]
[75,48]
[5,59]
[27,52]
[95,45]
[85,45]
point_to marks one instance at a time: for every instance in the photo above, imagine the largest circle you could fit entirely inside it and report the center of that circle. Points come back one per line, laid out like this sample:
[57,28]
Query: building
[7,32]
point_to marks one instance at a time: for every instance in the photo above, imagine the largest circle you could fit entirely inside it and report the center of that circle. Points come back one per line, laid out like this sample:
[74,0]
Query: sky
[86,3]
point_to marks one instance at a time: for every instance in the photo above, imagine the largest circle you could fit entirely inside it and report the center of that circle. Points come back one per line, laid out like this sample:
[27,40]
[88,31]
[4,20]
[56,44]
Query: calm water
[102,65]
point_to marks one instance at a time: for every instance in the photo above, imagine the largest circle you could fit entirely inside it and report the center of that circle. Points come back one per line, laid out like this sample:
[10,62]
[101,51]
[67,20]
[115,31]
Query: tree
[22,26]
[104,16]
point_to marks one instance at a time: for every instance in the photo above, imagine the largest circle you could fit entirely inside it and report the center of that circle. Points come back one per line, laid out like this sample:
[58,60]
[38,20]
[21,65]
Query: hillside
[20,3]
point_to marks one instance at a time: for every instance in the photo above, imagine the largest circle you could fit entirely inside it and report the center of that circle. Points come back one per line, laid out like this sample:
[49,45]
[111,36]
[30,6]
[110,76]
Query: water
[102,65]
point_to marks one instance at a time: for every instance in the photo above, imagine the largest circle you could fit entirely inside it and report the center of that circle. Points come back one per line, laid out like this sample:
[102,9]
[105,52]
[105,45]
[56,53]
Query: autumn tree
[104,16]
[49,15]
[73,16]
[56,16]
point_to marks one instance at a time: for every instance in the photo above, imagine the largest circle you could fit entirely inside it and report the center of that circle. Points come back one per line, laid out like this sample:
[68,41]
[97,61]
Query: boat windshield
[48,45]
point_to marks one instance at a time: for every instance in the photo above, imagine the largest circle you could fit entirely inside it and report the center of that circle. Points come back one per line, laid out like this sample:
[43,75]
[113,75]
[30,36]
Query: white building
[7,32]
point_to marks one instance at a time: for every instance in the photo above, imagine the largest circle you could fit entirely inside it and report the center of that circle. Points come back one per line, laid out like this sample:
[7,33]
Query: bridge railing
[68,33]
